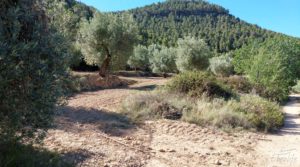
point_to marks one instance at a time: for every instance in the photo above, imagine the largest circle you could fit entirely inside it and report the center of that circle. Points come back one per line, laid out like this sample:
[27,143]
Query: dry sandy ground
[283,148]
[90,132]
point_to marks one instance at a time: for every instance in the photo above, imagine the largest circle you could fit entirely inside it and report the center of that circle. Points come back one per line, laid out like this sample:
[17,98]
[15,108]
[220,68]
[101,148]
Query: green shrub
[263,114]
[296,88]
[195,84]
[237,83]
[222,65]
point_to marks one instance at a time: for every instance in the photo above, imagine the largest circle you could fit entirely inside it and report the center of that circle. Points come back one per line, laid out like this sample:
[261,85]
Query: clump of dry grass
[248,112]
[218,113]
[154,105]
[77,82]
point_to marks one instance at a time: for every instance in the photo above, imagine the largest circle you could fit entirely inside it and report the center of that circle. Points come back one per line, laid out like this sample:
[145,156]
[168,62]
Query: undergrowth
[247,112]
[19,155]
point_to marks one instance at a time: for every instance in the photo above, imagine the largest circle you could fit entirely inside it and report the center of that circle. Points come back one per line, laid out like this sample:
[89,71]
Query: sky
[277,15]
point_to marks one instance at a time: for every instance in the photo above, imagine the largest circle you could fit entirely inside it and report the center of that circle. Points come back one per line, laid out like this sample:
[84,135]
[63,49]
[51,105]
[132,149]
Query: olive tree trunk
[105,65]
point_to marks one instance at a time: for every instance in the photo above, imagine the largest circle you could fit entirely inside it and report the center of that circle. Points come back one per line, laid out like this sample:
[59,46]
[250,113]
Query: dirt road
[283,148]
[90,132]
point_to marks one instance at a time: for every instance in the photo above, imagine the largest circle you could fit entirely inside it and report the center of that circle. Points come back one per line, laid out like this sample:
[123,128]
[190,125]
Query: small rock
[171,151]
[128,158]
[128,138]
[162,150]
[218,162]
[227,153]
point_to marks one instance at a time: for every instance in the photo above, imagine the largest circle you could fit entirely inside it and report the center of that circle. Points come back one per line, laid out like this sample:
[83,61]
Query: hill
[165,22]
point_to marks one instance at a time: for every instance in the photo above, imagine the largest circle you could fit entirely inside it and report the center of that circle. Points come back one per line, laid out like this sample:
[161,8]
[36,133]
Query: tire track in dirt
[90,132]
[184,144]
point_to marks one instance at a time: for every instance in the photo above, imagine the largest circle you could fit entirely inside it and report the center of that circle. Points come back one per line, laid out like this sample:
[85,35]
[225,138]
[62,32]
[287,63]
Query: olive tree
[192,54]
[140,58]
[108,40]
[163,60]
[67,23]
[221,65]
[33,63]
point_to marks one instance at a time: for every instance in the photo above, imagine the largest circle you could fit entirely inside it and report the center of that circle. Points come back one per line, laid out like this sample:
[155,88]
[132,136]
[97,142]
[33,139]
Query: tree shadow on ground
[291,127]
[79,119]
[142,88]
[21,155]
[77,157]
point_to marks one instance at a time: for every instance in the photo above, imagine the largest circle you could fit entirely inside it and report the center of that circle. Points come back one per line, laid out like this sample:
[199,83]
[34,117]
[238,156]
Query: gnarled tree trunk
[105,65]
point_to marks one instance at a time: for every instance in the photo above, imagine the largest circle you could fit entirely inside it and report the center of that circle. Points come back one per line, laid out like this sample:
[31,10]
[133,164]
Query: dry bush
[249,112]
[90,81]
[216,113]
[237,83]
[196,84]
[265,115]
[154,105]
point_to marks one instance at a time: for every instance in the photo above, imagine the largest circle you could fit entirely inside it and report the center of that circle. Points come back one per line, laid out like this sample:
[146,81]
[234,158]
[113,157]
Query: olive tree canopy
[192,54]
[108,40]
[33,63]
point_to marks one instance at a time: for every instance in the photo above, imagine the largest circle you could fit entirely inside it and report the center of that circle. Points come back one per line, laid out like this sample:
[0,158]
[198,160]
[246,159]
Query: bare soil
[282,149]
[89,131]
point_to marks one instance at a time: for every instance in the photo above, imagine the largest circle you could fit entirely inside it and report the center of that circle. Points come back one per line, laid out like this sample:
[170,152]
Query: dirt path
[90,132]
[283,148]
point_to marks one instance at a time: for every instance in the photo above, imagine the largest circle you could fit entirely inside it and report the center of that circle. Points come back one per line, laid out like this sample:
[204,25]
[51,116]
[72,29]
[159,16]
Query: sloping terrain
[165,22]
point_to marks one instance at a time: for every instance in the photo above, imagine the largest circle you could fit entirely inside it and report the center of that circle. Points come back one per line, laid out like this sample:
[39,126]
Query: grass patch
[17,155]
[154,105]
[217,113]
[263,114]
[78,82]
[247,112]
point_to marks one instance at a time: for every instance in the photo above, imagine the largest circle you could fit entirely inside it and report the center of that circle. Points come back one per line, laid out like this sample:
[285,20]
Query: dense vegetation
[33,60]
[231,74]
[165,22]
[273,66]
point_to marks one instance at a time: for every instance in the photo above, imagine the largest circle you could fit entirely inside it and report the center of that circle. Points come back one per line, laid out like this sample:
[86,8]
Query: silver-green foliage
[192,54]
[163,59]
[140,58]
[222,65]
[33,63]
[67,23]
[296,88]
[108,34]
